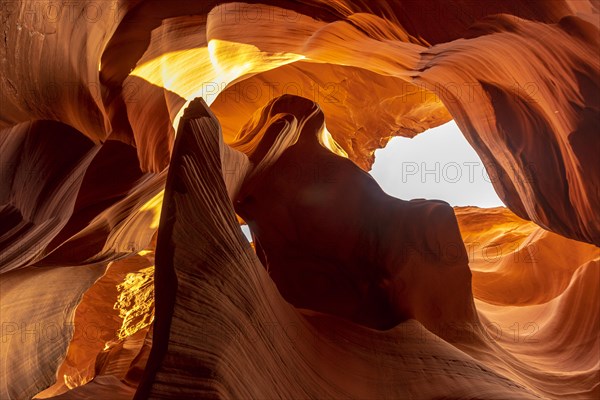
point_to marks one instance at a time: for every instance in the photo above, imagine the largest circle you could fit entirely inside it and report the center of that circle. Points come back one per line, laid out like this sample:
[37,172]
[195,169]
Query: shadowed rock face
[333,241]
[348,293]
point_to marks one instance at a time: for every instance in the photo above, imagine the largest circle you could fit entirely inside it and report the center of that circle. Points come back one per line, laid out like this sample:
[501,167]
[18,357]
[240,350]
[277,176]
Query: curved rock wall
[92,94]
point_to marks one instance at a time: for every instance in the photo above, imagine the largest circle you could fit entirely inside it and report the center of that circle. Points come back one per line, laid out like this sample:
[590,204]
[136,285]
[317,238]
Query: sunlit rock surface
[123,271]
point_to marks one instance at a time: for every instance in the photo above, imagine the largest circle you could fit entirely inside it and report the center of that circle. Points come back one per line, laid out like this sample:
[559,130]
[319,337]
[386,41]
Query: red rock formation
[91,97]
[528,318]
[223,330]
[371,258]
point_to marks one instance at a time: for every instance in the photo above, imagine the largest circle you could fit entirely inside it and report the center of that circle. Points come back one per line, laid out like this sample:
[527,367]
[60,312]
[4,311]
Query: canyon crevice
[136,136]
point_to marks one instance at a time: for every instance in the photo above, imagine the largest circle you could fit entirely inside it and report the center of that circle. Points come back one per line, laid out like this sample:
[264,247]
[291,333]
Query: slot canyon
[138,137]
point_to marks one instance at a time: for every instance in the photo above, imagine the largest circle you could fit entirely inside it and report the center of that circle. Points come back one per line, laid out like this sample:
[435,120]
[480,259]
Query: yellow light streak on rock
[154,205]
[329,142]
[136,301]
[206,71]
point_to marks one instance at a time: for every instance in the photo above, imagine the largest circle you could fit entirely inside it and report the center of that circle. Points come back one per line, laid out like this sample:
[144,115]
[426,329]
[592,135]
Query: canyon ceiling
[137,135]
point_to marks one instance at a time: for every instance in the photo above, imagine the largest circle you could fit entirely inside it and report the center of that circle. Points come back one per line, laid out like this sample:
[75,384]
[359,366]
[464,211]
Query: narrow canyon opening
[436,164]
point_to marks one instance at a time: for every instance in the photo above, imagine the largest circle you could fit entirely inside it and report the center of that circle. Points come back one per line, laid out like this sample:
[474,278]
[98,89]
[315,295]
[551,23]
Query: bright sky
[436,164]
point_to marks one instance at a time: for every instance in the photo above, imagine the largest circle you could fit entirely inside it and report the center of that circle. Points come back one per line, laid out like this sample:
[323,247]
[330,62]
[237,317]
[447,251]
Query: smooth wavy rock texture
[281,366]
[137,135]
